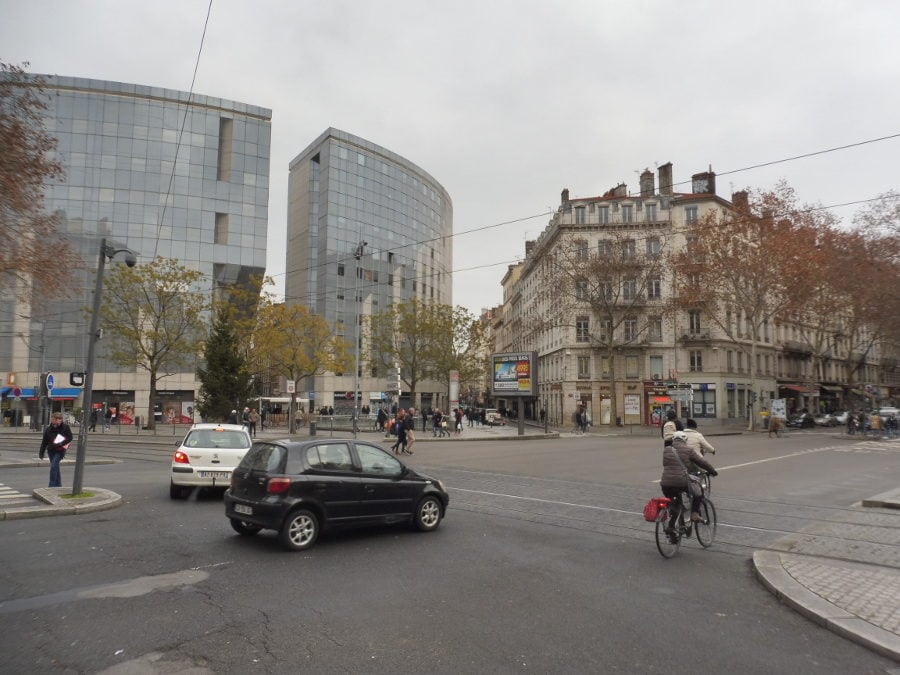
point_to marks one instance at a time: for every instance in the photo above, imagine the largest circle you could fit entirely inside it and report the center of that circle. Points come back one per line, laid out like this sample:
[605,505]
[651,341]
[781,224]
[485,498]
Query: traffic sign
[50,381]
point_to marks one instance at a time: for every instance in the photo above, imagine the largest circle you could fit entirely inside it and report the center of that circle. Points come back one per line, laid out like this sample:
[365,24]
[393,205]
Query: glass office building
[164,172]
[344,190]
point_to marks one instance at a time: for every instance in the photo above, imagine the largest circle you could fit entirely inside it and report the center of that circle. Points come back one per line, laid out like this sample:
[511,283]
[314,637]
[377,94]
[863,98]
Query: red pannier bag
[652,507]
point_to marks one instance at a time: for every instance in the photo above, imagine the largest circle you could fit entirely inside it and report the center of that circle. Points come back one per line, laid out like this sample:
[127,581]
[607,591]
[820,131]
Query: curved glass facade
[166,173]
[345,190]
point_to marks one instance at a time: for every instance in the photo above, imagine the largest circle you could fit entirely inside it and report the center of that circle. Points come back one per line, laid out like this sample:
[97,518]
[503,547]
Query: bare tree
[609,296]
[746,268]
[154,315]
[32,252]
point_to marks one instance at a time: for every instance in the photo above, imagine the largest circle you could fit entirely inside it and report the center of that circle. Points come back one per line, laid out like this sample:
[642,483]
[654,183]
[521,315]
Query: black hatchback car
[301,488]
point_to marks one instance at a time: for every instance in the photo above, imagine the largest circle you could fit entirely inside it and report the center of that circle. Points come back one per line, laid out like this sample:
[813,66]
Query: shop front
[703,400]
[174,407]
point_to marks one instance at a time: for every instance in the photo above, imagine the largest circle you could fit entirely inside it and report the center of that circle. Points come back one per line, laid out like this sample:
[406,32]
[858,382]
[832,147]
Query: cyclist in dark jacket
[674,476]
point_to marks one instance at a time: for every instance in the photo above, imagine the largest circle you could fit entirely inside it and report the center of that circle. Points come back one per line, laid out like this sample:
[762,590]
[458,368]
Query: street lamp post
[360,250]
[108,249]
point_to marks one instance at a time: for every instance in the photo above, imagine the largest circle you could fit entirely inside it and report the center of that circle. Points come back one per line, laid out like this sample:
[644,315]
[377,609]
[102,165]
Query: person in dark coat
[55,442]
[675,479]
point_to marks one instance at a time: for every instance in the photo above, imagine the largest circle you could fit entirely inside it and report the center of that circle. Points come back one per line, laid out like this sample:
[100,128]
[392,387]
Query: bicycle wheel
[667,544]
[706,526]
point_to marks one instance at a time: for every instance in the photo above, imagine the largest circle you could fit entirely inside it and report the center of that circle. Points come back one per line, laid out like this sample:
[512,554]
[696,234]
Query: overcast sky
[507,102]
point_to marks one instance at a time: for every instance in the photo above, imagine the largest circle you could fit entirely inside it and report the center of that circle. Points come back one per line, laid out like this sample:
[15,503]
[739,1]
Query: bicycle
[668,543]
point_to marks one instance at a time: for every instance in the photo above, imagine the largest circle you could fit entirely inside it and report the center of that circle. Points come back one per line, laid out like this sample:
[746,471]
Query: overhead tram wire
[187,108]
[322,265]
[723,173]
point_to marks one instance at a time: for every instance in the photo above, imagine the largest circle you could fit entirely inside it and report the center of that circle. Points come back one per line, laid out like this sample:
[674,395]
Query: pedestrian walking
[54,443]
[94,415]
[107,419]
[252,419]
[400,427]
[410,431]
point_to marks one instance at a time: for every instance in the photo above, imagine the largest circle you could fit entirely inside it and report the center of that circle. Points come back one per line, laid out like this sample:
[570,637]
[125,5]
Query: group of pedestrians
[872,424]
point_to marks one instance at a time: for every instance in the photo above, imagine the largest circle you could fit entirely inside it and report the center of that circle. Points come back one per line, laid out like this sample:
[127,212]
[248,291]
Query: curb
[771,573]
[54,504]
[886,500]
[66,462]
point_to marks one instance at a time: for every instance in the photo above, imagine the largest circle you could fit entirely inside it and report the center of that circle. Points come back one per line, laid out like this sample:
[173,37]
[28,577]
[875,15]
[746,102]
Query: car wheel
[428,514]
[300,530]
[244,529]
[179,491]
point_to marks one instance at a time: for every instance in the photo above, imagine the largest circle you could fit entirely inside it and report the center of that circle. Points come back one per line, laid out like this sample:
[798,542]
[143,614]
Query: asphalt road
[542,565]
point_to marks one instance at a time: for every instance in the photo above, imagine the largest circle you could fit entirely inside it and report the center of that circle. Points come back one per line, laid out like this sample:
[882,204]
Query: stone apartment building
[623,364]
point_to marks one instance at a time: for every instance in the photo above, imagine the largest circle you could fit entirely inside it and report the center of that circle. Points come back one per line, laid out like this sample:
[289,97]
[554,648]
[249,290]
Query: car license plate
[246,510]
[215,474]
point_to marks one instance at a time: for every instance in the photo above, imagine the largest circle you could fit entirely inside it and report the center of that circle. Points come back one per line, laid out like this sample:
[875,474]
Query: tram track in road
[845,533]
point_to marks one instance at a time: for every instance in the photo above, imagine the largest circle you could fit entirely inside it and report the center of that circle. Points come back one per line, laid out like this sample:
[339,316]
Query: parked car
[299,488]
[801,421]
[887,411]
[840,417]
[492,416]
[206,457]
[826,420]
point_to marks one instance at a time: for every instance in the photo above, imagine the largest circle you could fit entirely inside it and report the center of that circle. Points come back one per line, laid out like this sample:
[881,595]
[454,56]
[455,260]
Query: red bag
[652,507]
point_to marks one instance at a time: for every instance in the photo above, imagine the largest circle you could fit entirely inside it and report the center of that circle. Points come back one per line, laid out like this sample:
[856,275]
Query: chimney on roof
[647,188]
[564,197]
[621,190]
[529,247]
[665,179]
[704,183]
[740,200]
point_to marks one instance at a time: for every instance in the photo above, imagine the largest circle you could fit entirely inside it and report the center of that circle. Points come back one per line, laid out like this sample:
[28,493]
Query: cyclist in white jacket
[695,439]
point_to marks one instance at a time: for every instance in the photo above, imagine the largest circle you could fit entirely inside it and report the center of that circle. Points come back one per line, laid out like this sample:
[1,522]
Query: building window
[696,361]
[694,321]
[580,215]
[604,248]
[656,367]
[581,249]
[606,330]
[729,360]
[360,159]
[650,213]
[582,325]
[221,233]
[223,171]
[654,329]
[629,248]
[581,289]
[631,367]
[654,246]
[584,367]
[629,289]
[690,214]
[630,329]
[654,288]
[603,213]
[604,367]
[627,214]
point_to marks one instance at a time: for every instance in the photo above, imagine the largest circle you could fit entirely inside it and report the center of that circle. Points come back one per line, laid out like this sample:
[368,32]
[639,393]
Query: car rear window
[210,438]
[264,457]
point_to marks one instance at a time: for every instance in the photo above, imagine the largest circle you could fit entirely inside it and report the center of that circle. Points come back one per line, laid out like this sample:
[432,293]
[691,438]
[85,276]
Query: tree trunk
[151,408]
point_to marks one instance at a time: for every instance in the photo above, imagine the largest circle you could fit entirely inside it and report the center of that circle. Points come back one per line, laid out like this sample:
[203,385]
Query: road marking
[9,493]
[545,501]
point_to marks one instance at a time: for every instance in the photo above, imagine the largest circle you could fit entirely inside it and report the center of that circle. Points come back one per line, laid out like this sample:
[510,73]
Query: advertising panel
[514,374]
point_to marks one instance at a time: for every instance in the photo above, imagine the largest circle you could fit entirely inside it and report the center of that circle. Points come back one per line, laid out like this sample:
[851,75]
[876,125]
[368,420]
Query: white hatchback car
[206,457]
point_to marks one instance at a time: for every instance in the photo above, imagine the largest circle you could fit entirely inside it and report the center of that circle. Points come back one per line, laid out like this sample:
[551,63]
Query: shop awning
[795,387]
[828,387]
[661,399]
[65,392]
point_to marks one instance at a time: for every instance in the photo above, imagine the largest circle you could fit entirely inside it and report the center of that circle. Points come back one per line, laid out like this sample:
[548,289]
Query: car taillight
[181,458]
[278,485]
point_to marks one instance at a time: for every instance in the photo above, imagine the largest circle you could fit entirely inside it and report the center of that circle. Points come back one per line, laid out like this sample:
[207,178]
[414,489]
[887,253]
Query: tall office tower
[343,191]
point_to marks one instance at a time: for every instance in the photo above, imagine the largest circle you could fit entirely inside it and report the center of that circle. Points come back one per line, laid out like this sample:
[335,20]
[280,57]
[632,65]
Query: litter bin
[312,428]
[618,421]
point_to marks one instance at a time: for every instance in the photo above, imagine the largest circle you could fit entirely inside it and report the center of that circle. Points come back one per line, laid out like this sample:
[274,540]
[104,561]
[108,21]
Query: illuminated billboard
[514,374]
